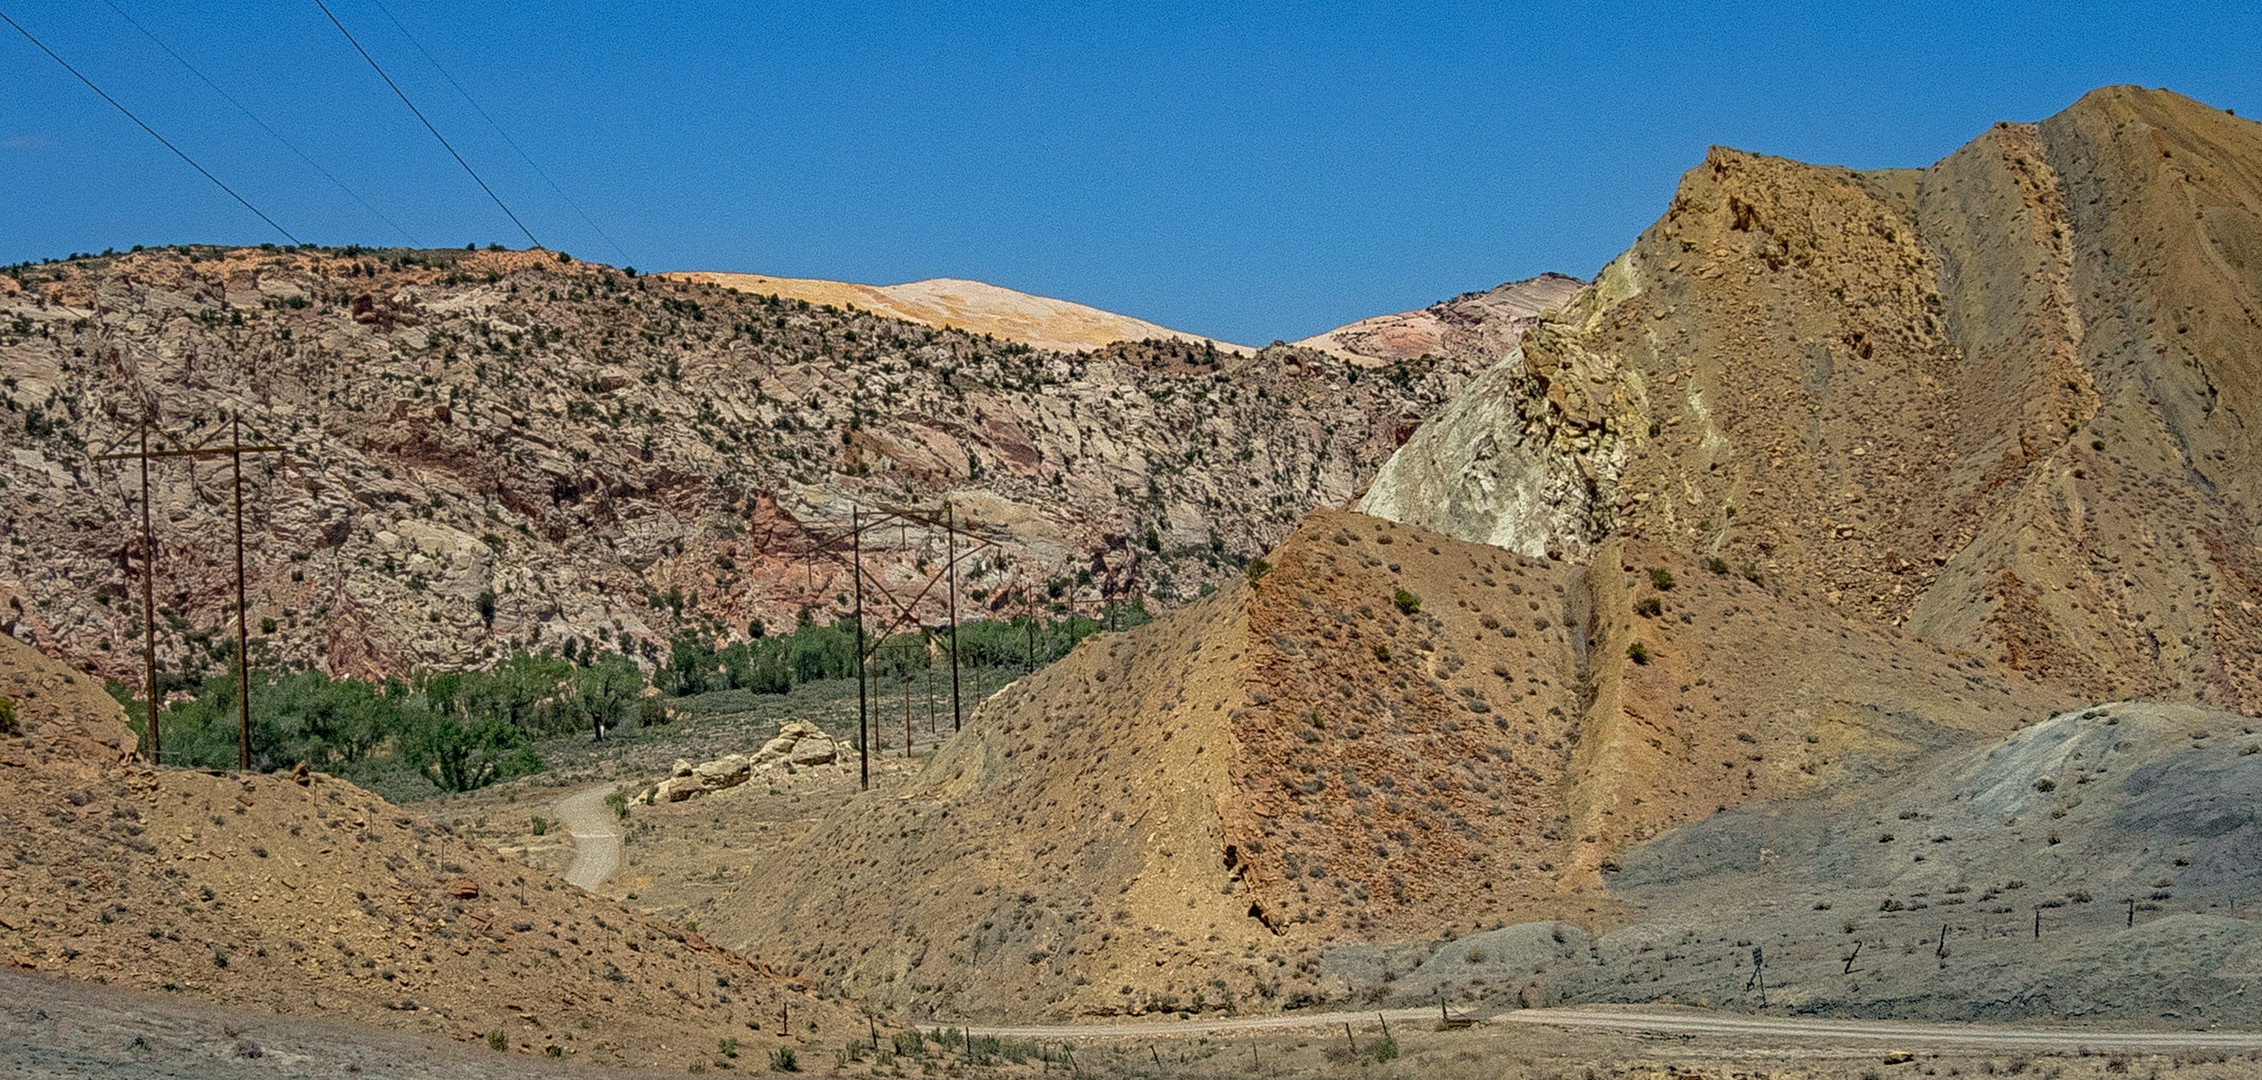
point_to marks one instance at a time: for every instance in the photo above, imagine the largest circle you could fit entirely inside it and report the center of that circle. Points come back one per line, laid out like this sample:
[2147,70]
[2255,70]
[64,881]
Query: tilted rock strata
[493,450]
[1188,815]
[2009,403]
[1479,326]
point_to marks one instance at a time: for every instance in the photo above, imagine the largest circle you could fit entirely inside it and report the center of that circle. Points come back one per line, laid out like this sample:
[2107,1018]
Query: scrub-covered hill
[1386,735]
[304,895]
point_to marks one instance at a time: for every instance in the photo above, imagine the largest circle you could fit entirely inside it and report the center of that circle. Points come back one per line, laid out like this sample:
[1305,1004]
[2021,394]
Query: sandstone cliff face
[2008,403]
[488,450]
[1480,326]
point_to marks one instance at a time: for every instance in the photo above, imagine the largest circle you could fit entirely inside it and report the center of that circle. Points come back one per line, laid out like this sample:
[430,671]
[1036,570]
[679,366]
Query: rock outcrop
[1478,326]
[798,743]
[973,306]
[487,451]
[2009,403]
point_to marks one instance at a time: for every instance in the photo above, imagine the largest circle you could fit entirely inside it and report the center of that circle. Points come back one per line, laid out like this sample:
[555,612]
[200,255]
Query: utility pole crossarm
[235,452]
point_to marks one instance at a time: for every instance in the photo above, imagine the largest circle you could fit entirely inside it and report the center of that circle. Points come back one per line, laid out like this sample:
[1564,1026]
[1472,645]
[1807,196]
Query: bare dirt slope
[2007,403]
[2103,864]
[973,306]
[1188,816]
[310,897]
[1479,325]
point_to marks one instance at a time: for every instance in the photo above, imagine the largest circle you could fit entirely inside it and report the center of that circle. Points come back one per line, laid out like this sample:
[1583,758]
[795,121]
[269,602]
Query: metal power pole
[863,706]
[149,598]
[243,638]
[950,534]
[235,451]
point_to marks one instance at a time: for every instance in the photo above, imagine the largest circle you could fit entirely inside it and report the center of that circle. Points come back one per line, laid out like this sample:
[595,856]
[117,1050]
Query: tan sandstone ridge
[1831,474]
[2009,403]
[1186,816]
[613,459]
[973,306]
[308,896]
[1477,325]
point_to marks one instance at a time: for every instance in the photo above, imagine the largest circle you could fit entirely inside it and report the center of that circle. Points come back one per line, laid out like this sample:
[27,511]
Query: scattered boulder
[797,743]
[727,771]
[464,888]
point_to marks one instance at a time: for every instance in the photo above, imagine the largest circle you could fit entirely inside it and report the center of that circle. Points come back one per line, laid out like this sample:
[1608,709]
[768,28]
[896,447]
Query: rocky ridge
[1480,326]
[2007,402]
[1389,735]
[973,306]
[495,450]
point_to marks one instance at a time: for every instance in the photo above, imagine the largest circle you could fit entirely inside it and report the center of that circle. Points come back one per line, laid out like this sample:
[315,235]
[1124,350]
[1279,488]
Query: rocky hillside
[1834,476]
[1389,735]
[2009,403]
[1478,326]
[308,896]
[488,450]
[973,306]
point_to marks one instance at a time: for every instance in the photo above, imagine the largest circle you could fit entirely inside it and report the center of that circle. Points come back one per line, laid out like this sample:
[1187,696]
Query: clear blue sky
[1247,172]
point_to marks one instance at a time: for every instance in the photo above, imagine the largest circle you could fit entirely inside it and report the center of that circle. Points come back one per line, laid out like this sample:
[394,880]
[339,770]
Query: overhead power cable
[397,92]
[177,151]
[240,107]
[522,154]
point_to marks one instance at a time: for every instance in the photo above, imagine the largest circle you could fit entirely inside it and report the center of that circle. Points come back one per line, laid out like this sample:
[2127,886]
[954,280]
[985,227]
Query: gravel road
[1821,1033]
[596,844]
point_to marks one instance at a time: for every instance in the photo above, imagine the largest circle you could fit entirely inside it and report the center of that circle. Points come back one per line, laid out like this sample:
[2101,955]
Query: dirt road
[596,844]
[1821,1032]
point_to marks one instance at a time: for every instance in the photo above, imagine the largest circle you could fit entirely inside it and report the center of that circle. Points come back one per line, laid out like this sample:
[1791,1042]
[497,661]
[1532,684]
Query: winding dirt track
[596,846]
[1819,1032]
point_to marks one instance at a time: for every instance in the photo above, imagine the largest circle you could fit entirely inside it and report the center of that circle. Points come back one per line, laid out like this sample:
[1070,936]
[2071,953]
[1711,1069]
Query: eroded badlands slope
[2009,403]
[319,899]
[1188,816]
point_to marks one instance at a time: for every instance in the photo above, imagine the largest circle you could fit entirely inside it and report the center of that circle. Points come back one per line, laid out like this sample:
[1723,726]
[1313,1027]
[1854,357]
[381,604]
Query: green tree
[606,690]
[462,757]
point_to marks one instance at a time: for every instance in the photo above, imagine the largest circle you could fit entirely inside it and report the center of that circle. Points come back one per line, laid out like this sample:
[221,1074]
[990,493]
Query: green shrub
[782,1060]
[1638,653]
[1382,652]
[1649,606]
[541,827]
[1257,568]
[1716,564]
[7,716]
[619,802]
[1386,1049]
[1407,602]
[496,1042]
[1661,578]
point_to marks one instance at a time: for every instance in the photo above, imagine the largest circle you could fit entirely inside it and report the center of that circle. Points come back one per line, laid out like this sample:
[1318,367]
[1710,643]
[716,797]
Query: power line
[522,154]
[240,107]
[177,151]
[374,66]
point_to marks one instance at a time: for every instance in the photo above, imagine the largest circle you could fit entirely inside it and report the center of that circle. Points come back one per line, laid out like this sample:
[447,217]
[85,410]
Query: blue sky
[1247,172]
